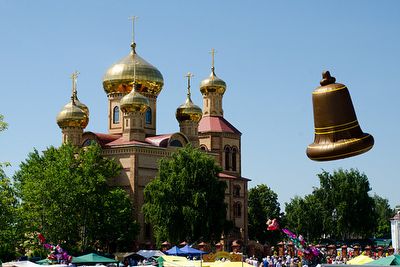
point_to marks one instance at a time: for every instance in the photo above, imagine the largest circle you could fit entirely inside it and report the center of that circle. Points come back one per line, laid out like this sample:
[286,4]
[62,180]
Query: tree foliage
[3,124]
[262,205]
[186,199]
[383,215]
[340,208]
[344,194]
[65,196]
[304,215]
[9,230]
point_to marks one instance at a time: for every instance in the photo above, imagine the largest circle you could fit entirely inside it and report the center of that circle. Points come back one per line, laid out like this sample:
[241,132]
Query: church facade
[132,86]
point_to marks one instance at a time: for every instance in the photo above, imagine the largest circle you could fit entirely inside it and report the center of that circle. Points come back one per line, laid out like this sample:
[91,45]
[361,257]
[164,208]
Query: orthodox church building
[132,86]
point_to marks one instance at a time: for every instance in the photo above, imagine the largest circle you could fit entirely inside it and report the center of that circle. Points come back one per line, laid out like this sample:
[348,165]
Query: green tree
[304,216]
[9,232]
[383,214]
[3,124]
[186,199]
[263,205]
[347,208]
[65,196]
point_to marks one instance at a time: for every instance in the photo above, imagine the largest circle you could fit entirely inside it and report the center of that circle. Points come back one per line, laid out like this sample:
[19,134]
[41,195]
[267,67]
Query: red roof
[110,140]
[159,140]
[102,139]
[216,124]
[121,141]
[229,176]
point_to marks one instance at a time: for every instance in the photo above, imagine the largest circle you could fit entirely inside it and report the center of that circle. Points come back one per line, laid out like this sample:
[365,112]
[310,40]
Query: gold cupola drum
[188,115]
[212,89]
[337,132]
[188,111]
[74,113]
[73,117]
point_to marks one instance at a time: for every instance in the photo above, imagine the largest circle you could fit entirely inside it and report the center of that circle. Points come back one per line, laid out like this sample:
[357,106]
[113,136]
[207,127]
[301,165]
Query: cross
[74,78]
[212,52]
[133,18]
[189,76]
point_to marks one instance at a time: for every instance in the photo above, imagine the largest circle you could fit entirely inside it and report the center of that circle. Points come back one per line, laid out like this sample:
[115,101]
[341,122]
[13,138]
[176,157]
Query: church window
[237,210]
[227,157]
[176,143]
[116,115]
[89,142]
[236,191]
[148,116]
[203,148]
[234,153]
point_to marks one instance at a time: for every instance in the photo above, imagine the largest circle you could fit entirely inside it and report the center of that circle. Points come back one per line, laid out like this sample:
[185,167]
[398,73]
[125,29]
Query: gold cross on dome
[189,76]
[133,18]
[74,77]
[212,52]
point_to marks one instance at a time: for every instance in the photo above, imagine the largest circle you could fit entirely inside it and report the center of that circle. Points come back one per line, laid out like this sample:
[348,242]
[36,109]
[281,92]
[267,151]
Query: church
[132,86]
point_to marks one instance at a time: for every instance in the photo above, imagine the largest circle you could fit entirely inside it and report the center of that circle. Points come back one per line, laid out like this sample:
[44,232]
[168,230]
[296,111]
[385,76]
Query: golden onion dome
[120,76]
[188,111]
[72,116]
[79,104]
[134,102]
[212,84]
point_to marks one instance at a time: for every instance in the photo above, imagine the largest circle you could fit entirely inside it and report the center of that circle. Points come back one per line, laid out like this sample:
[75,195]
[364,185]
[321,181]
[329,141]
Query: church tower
[213,89]
[118,81]
[133,106]
[220,137]
[73,118]
[188,116]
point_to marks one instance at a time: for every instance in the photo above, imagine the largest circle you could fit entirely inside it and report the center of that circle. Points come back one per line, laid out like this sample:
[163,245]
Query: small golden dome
[120,76]
[212,84]
[79,104]
[72,116]
[134,102]
[188,112]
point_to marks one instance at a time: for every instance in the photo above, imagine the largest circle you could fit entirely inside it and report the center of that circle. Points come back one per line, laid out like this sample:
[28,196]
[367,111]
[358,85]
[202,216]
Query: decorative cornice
[157,151]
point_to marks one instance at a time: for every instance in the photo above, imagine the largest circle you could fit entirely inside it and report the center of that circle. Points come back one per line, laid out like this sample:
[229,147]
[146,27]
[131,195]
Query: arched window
[237,210]
[148,116]
[203,148]
[234,152]
[227,157]
[176,143]
[236,191]
[116,115]
[89,142]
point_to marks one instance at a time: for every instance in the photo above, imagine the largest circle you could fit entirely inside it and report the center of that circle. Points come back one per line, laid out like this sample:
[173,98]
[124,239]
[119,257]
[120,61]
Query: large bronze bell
[337,132]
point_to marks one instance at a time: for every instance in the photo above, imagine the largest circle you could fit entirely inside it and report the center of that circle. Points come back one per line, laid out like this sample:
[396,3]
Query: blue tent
[174,251]
[186,250]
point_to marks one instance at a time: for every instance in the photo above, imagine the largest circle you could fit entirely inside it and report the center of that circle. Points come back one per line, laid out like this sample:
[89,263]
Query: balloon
[42,239]
[289,233]
[272,225]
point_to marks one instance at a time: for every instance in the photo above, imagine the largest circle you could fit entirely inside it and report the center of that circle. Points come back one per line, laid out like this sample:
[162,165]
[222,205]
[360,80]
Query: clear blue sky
[270,53]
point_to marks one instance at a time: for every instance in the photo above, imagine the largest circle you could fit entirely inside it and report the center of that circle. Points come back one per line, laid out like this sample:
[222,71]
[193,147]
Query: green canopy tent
[92,258]
[386,261]
[46,262]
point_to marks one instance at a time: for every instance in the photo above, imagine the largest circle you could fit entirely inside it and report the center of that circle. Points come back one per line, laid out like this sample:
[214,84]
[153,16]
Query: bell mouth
[324,151]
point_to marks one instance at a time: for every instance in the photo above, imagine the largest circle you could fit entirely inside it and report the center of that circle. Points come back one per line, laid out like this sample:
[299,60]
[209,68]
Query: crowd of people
[276,261]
